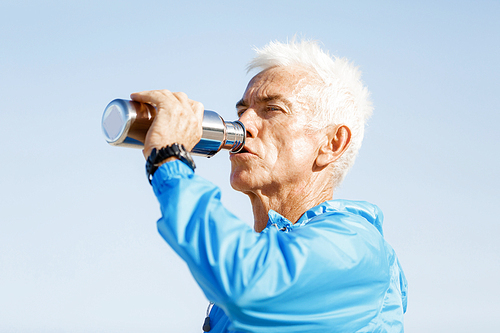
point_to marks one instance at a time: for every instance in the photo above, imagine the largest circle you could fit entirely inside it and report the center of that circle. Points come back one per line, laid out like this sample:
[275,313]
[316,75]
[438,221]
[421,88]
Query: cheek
[298,154]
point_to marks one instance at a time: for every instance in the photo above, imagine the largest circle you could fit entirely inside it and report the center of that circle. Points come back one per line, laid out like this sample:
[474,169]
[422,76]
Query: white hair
[336,93]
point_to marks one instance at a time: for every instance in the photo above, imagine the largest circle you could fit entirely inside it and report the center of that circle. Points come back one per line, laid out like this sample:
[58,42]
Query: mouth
[243,151]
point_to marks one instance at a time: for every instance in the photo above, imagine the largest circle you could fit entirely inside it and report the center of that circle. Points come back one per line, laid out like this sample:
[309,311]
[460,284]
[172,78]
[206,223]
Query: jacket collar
[370,212]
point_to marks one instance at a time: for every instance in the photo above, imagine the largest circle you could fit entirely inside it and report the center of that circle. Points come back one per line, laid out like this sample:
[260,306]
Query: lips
[244,151]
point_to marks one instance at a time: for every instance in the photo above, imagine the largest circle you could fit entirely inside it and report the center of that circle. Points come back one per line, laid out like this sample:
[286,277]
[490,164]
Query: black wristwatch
[158,156]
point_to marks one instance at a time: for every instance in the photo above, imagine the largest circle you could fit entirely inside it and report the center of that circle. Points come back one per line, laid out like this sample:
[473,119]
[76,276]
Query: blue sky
[79,250]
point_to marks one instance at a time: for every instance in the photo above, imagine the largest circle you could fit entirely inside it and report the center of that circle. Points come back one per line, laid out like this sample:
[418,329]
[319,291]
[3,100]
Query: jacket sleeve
[210,239]
[254,276]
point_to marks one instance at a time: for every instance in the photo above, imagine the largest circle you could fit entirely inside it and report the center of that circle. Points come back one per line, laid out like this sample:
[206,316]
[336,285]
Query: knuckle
[198,105]
[180,95]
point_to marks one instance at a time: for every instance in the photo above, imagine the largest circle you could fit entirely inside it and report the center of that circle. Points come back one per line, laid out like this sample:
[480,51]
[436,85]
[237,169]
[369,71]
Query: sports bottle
[125,124]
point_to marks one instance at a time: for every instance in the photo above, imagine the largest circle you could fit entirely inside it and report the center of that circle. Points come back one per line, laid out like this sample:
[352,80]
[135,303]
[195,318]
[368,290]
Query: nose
[248,118]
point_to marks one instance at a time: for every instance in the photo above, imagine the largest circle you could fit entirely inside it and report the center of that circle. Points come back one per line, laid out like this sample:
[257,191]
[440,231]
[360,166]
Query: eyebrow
[243,104]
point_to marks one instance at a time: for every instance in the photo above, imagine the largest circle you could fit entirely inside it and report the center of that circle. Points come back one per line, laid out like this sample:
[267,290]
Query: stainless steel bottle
[125,124]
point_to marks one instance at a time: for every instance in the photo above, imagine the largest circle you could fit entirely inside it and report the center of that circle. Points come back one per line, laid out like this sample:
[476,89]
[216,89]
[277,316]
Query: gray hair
[337,94]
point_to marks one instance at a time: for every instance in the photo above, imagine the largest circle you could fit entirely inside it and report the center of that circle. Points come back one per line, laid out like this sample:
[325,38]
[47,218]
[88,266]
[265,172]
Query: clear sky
[79,249]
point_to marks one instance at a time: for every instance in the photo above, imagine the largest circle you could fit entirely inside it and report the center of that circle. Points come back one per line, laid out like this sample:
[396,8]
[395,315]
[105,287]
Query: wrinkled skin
[285,166]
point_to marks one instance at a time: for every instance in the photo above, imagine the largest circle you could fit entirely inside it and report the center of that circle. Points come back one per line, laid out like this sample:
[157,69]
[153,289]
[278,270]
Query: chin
[236,182]
[241,181]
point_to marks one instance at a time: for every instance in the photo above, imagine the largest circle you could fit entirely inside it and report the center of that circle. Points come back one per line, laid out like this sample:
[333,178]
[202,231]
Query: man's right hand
[178,119]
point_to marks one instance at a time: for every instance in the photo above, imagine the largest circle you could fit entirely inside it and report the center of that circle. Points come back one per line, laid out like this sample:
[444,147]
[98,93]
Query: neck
[289,201]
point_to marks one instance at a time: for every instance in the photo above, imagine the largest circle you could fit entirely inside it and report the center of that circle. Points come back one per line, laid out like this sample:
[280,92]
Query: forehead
[276,81]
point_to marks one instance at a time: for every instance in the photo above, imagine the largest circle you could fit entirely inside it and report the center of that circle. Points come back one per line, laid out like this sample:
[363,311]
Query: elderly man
[312,264]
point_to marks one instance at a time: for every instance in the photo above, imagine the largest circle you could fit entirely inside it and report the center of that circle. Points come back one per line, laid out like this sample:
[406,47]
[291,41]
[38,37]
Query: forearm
[199,228]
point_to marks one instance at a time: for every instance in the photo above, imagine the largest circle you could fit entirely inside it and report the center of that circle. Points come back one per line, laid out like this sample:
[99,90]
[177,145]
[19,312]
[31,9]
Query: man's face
[279,150]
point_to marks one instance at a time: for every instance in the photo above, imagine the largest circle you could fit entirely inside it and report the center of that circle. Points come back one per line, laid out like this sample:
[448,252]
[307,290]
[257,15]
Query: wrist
[166,154]
[169,159]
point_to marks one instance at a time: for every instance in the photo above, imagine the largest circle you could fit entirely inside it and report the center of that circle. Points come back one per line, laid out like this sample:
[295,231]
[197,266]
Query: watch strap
[157,156]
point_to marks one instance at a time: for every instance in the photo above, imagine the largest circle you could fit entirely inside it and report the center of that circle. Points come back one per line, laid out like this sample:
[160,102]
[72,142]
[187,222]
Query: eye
[273,108]
[240,112]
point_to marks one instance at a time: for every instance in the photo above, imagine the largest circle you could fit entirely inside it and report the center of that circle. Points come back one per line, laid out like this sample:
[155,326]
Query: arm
[272,278]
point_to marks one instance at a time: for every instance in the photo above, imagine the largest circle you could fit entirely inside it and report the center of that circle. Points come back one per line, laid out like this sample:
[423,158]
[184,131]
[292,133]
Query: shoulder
[343,227]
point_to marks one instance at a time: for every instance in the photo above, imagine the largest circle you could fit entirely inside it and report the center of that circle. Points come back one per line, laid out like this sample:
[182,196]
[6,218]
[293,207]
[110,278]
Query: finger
[155,97]
[198,108]
[184,100]
[182,97]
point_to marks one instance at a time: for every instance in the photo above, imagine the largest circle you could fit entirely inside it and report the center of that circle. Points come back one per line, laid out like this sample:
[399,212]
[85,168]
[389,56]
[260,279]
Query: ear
[336,141]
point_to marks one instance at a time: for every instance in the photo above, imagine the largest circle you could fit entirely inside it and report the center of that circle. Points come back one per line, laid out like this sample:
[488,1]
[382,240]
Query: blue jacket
[331,271]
